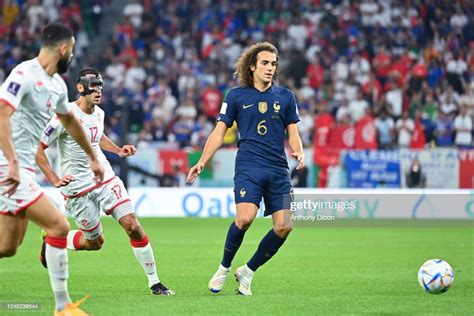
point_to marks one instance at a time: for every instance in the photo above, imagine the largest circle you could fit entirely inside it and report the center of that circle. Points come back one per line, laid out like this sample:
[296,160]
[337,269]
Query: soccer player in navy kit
[263,112]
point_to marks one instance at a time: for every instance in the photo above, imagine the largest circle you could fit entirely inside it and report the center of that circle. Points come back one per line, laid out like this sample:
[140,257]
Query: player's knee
[243,222]
[95,244]
[134,229]
[7,251]
[63,228]
[283,230]
[58,228]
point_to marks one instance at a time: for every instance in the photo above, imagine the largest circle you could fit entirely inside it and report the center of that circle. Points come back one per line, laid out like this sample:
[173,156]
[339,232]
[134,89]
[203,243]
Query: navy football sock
[232,244]
[267,248]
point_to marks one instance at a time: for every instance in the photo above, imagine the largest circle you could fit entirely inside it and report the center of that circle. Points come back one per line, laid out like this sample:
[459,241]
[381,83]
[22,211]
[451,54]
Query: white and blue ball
[436,276]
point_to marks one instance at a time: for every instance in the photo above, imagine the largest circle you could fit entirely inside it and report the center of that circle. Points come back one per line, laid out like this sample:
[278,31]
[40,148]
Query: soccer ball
[435,276]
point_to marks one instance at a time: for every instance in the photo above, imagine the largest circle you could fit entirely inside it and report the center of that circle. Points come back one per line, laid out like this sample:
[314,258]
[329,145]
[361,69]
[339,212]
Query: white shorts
[27,192]
[112,198]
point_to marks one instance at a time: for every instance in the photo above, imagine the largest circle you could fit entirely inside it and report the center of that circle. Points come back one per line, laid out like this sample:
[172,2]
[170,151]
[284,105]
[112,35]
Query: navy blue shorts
[274,187]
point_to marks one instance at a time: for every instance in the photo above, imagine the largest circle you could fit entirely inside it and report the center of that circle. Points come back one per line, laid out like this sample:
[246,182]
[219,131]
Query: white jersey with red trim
[35,96]
[72,158]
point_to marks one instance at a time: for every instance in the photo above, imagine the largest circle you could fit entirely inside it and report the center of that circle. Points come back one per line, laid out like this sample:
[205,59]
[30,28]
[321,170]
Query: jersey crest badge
[85,222]
[276,106]
[276,109]
[262,107]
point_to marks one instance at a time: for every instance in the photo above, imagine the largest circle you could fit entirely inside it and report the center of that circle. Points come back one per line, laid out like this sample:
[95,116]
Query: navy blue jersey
[262,118]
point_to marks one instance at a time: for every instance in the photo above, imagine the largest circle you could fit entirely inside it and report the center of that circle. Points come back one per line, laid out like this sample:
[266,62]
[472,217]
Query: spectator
[181,131]
[152,62]
[456,67]
[372,89]
[158,131]
[187,110]
[443,130]
[430,107]
[463,126]
[115,72]
[405,128]
[449,106]
[134,12]
[299,177]
[395,98]
[415,177]
[315,73]
[343,111]
[381,64]
[211,100]
[202,129]
[368,10]
[449,101]
[36,14]
[11,12]
[385,130]
[468,99]
[357,107]
[360,68]
[418,138]
[305,126]
[351,88]
[134,76]
[435,73]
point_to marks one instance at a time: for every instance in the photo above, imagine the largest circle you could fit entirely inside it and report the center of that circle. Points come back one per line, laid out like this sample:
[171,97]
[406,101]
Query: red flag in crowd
[365,136]
[342,137]
[418,137]
[322,126]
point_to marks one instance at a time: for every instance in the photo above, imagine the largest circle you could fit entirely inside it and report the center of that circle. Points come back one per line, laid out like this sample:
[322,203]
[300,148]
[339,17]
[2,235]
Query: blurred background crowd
[406,66]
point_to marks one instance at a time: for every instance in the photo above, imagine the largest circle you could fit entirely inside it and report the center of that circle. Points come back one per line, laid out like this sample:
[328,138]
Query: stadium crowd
[22,21]
[406,67]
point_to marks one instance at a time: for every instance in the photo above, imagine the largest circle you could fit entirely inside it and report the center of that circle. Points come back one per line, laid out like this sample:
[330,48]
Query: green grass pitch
[356,269]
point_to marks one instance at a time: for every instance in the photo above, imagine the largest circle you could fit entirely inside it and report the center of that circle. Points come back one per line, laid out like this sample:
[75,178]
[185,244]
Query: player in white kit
[85,198]
[30,95]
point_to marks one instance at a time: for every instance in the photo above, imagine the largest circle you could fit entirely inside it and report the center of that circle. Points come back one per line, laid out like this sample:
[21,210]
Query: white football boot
[244,276]
[216,283]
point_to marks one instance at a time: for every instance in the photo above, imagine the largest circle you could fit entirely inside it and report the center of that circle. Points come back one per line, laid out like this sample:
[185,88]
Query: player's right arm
[214,141]
[12,179]
[226,118]
[74,128]
[12,91]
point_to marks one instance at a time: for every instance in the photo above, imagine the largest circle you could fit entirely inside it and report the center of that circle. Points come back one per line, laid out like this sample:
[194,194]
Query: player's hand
[97,169]
[63,181]
[299,155]
[12,179]
[194,172]
[127,150]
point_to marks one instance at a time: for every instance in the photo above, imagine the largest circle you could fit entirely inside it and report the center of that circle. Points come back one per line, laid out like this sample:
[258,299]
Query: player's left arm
[108,145]
[295,143]
[43,163]
[51,134]
[291,118]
